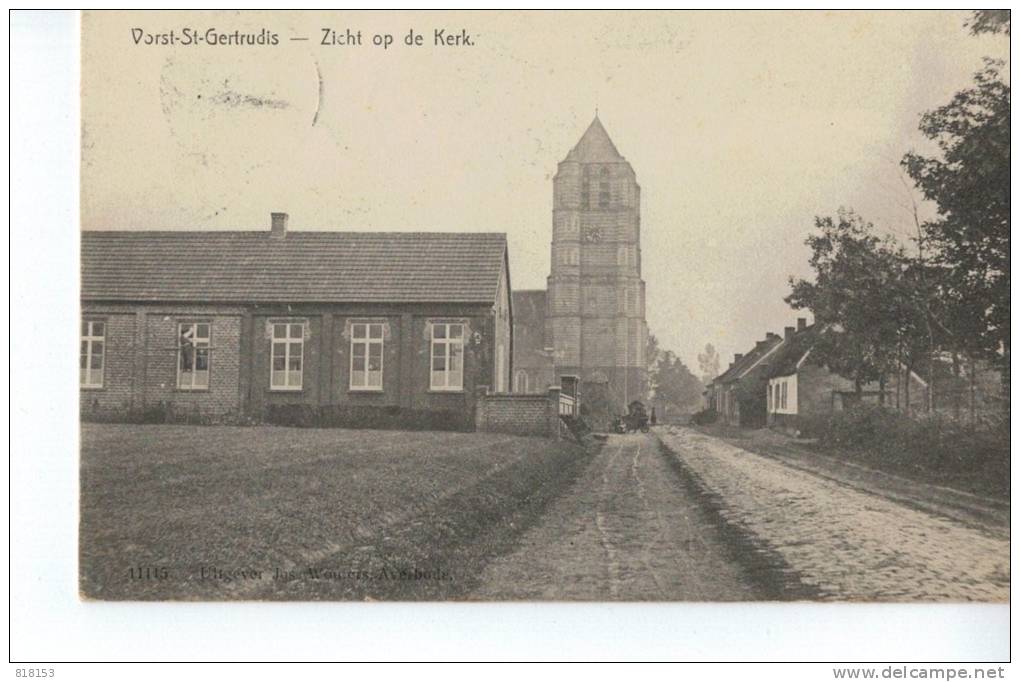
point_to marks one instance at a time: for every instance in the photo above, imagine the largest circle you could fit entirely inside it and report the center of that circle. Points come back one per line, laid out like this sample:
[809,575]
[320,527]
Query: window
[193,355]
[288,351]
[366,356]
[784,395]
[93,349]
[447,357]
[520,381]
[604,188]
[586,189]
[769,395]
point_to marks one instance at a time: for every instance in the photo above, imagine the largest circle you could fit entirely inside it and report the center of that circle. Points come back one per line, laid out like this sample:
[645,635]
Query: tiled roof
[784,361]
[338,267]
[748,360]
[594,146]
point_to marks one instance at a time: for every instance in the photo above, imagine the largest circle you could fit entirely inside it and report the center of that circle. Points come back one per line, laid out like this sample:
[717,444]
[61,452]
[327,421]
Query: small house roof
[259,267]
[749,360]
[786,358]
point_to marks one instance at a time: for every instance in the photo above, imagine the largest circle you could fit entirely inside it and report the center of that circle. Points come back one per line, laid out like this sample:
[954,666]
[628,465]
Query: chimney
[801,324]
[788,333]
[736,358]
[279,225]
[770,336]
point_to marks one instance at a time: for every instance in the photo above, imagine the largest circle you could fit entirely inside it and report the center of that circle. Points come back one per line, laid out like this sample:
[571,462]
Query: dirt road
[844,542]
[628,529]
[703,520]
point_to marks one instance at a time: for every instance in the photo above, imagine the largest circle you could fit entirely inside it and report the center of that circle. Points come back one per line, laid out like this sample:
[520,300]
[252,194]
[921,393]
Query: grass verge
[212,513]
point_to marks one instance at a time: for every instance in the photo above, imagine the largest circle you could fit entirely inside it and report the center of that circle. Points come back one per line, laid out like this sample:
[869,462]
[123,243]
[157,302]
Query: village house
[802,392]
[738,394]
[228,326]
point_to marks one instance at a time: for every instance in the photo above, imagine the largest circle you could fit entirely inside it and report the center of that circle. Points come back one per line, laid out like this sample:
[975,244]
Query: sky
[740,126]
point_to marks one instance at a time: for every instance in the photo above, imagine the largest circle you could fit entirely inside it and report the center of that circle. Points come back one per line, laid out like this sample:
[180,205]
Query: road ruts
[842,542]
[626,530]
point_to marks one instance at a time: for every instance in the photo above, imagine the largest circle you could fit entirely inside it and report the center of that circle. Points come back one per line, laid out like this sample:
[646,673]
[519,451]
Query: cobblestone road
[843,543]
[627,529]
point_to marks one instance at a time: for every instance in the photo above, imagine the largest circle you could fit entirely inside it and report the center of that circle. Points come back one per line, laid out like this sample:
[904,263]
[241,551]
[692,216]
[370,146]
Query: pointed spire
[595,145]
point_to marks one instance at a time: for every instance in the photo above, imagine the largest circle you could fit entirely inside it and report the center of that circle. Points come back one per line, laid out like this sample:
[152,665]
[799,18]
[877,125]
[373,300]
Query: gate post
[481,419]
[553,406]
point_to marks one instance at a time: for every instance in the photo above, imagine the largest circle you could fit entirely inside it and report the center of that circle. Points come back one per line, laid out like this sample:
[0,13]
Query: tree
[862,297]
[674,383]
[708,363]
[989,21]
[652,353]
[969,182]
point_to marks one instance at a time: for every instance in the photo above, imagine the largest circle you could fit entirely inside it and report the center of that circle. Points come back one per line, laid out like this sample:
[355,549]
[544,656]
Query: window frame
[287,340]
[90,339]
[368,341]
[605,196]
[447,342]
[207,340]
[521,382]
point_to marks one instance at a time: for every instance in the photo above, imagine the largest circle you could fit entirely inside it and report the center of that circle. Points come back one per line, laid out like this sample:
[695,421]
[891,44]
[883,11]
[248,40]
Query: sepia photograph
[545,306]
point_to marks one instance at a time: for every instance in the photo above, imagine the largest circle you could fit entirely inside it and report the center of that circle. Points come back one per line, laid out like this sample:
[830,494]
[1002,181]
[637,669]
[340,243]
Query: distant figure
[653,416]
[636,418]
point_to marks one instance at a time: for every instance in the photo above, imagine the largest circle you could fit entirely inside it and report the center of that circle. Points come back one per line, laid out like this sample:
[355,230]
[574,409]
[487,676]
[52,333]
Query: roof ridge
[417,233]
[220,265]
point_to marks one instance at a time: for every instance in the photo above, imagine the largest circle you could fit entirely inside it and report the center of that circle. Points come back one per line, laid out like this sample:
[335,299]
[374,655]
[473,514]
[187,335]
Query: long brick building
[590,320]
[227,325]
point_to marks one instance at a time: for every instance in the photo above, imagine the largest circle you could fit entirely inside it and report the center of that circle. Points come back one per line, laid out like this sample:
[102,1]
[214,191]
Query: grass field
[188,512]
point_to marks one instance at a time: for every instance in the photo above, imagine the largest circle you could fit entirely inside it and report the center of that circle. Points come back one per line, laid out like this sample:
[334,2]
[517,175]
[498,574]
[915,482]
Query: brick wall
[566,335]
[222,399]
[524,415]
[564,296]
[140,369]
[115,395]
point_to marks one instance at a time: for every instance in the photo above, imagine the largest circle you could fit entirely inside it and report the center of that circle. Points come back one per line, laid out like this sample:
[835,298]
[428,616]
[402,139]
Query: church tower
[595,302]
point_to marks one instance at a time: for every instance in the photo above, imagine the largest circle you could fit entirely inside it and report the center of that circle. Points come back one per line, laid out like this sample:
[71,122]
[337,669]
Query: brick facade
[140,370]
[235,291]
[221,400]
[523,415]
[120,372]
